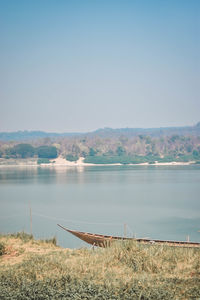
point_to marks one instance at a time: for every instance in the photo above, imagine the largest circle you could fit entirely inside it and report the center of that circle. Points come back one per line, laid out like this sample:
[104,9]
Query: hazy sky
[81,65]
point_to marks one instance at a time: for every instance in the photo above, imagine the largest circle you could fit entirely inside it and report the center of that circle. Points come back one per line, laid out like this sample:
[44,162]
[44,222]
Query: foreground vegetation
[31,269]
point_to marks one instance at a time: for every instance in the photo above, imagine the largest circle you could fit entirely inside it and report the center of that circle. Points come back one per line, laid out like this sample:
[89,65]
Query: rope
[74,221]
[70,221]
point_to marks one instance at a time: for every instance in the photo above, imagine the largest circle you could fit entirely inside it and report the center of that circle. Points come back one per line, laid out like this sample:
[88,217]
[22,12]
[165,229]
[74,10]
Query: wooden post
[30,218]
[125,230]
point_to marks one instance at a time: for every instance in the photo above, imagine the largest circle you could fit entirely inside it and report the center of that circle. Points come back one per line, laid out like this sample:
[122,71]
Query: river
[159,202]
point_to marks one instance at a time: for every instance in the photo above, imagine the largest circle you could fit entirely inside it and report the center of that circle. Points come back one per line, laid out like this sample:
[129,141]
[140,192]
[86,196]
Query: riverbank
[33,269]
[61,162]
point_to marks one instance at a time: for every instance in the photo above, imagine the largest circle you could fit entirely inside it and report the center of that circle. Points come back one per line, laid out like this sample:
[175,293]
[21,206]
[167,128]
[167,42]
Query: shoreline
[61,162]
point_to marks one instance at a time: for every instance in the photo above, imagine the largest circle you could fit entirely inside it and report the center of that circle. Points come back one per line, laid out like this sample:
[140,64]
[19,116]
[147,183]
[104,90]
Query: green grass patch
[115,159]
[43,161]
[127,159]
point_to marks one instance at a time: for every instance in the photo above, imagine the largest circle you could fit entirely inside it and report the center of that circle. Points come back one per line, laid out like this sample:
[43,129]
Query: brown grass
[175,269]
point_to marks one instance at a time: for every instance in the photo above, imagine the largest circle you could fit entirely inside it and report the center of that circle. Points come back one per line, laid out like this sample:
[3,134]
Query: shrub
[25,237]
[21,150]
[120,151]
[47,152]
[196,154]
[2,249]
[72,157]
[92,152]
[51,241]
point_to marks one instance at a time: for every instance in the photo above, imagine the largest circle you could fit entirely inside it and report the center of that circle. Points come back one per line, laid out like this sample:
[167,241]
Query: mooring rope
[75,221]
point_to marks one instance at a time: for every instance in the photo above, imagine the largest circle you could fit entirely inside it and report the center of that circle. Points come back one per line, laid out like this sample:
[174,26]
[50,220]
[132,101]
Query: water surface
[154,201]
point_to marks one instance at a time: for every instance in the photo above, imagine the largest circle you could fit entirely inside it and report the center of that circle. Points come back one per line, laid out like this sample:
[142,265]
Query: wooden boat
[105,240]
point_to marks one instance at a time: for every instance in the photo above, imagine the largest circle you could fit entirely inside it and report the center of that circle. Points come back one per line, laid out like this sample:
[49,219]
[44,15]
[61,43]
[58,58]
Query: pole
[125,230]
[30,218]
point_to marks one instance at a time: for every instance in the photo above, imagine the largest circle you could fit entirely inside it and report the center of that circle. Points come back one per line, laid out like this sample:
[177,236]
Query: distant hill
[104,132]
[153,132]
[31,135]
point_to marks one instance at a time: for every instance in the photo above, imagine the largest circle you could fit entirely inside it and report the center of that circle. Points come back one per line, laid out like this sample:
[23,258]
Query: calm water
[156,202]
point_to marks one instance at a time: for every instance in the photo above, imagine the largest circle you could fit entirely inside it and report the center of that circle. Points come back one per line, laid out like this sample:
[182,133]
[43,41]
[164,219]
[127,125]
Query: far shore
[61,162]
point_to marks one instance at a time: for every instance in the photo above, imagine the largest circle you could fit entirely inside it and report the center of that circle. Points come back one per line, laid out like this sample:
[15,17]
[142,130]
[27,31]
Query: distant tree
[47,152]
[195,153]
[71,157]
[148,139]
[153,147]
[123,139]
[141,136]
[83,154]
[120,151]
[109,153]
[174,138]
[47,141]
[189,148]
[76,149]
[22,151]
[92,152]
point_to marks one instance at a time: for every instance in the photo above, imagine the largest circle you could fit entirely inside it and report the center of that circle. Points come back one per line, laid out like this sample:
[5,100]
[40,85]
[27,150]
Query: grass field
[35,269]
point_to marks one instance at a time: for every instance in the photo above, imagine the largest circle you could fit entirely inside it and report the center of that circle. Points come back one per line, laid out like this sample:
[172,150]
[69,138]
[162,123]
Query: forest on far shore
[103,150]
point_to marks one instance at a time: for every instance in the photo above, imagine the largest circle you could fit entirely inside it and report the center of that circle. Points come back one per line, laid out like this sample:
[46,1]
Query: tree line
[116,149]
[27,151]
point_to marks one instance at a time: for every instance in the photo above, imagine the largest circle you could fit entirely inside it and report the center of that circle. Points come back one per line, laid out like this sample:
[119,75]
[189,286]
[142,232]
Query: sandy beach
[61,162]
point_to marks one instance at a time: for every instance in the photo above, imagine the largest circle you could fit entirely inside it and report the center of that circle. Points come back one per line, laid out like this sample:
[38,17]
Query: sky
[75,66]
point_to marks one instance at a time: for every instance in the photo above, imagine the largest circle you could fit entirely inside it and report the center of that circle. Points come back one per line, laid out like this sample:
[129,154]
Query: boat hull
[106,240]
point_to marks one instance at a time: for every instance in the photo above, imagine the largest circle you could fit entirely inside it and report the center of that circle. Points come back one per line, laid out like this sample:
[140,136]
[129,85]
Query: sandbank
[61,162]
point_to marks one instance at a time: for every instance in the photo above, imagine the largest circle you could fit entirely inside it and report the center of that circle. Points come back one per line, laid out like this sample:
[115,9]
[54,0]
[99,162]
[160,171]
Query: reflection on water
[157,202]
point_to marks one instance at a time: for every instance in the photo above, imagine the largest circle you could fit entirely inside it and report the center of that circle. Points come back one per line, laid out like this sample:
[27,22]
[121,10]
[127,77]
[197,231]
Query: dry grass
[21,246]
[149,269]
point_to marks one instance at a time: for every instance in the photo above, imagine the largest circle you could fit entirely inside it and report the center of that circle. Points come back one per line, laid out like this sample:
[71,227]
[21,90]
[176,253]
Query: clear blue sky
[81,65]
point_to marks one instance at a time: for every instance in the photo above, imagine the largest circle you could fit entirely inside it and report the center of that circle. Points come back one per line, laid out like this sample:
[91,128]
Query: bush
[25,237]
[72,157]
[2,249]
[21,150]
[120,151]
[51,241]
[92,152]
[47,152]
